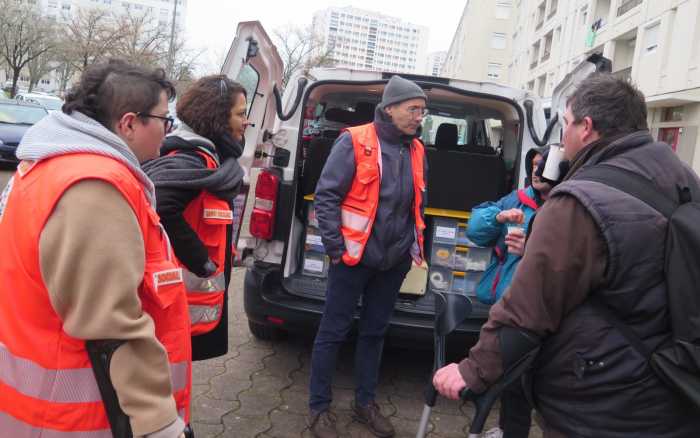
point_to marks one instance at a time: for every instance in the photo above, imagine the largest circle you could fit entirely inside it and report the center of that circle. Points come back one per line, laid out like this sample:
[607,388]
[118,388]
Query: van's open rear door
[254,62]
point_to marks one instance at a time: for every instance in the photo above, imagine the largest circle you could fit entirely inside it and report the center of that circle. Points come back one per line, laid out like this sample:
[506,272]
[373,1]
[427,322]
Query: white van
[476,137]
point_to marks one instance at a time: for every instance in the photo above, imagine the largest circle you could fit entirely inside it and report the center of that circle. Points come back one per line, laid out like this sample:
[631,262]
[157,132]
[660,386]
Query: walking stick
[450,310]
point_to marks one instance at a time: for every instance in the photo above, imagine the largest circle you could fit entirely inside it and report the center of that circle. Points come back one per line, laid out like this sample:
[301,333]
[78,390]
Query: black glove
[209,268]
[563,169]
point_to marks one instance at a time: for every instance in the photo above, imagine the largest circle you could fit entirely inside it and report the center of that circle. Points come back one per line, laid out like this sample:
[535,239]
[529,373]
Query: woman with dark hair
[86,276]
[196,179]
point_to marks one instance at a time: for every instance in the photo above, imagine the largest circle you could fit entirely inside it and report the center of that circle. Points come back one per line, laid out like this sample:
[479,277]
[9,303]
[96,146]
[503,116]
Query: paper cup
[551,168]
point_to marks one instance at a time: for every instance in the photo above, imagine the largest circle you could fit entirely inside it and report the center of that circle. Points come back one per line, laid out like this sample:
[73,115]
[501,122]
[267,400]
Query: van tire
[265,332]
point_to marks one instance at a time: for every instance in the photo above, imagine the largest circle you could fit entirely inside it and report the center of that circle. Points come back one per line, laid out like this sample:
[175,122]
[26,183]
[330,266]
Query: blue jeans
[346,284]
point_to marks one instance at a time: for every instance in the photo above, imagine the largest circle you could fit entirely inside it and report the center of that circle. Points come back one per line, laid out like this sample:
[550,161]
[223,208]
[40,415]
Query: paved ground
[260,388]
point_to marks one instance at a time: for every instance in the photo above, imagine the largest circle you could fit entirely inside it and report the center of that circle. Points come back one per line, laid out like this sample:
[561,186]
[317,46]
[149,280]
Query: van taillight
[262,221]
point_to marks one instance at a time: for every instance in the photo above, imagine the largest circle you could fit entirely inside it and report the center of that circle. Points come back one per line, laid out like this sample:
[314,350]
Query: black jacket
[172,198]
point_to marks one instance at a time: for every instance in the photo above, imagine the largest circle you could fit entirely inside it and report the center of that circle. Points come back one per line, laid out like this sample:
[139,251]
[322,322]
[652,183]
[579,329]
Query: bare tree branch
[301,50]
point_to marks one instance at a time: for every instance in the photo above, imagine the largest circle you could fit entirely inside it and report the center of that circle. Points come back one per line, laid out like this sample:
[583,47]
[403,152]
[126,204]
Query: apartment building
[482,46]
[162,10]
[371,41]
[435,62]
[653,43]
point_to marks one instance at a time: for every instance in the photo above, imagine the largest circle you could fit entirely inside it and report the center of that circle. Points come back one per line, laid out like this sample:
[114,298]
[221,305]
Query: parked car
[475,146]
[48,101]
[15,118]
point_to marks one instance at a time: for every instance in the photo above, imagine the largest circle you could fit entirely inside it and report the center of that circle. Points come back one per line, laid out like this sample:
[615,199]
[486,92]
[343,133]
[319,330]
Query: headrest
[446,136]
[364,112]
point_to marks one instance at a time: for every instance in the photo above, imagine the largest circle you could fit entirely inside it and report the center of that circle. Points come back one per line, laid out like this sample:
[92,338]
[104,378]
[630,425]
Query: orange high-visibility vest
[47,385]
[209,217]
[359,207]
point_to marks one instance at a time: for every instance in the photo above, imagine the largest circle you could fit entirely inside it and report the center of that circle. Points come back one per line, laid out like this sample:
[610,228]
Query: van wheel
[265,332]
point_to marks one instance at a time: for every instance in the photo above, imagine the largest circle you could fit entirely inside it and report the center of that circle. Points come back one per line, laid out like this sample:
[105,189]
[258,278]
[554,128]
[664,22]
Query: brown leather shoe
[372,417]
[322,424]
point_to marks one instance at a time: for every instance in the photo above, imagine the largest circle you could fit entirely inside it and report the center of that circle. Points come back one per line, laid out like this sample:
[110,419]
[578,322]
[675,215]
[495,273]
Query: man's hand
[449,382]
[514,215]
[515,241]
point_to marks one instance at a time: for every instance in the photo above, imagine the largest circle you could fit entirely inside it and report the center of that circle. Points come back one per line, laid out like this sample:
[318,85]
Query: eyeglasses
[168,121]
[417,110]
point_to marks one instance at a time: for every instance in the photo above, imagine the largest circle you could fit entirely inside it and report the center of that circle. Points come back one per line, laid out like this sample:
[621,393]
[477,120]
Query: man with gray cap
[369,203]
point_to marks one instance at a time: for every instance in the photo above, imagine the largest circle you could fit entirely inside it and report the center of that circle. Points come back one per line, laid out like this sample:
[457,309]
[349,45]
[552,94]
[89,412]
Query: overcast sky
[211,24]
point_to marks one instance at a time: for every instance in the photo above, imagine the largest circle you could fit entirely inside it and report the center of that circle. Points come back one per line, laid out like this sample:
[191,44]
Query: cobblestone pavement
[260,388]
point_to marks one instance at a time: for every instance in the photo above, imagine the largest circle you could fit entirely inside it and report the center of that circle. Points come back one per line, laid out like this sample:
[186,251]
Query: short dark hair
[108,90]
[614,105]
[206,105]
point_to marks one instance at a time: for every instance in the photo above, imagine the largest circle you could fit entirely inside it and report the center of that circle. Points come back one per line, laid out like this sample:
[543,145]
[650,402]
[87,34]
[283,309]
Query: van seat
[461,180]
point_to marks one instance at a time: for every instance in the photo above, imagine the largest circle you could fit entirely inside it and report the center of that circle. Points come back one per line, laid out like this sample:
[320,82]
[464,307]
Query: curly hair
[107,91]
[206,105]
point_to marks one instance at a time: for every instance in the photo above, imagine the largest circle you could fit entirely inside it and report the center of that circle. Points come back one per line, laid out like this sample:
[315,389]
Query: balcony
[625,73]
[628,6]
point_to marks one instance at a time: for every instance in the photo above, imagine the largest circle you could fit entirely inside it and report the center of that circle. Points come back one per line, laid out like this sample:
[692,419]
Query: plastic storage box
[444,230]
[442,255]
[315,264]
[440,278]
[313,240]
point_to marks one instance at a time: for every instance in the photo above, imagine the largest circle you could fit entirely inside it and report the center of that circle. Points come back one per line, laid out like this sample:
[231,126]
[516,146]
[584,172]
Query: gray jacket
[393,232]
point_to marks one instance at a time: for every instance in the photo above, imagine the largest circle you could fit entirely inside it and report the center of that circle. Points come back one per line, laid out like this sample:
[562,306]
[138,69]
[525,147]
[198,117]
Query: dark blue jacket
[393,232]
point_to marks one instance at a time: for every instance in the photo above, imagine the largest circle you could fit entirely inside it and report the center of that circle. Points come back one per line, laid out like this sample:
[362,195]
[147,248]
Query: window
[672,114]
[498,40]
[651,38]
[494,70]
[249,78]
[503,10]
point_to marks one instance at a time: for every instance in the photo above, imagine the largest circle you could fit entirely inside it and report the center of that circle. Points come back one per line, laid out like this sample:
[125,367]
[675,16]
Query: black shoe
[371,416]
[322,424]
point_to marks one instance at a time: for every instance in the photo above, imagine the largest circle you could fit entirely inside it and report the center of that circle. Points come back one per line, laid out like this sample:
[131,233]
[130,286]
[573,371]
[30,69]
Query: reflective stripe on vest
[64,385]
[195,284]
[204,314]
[11,427]
[359,208]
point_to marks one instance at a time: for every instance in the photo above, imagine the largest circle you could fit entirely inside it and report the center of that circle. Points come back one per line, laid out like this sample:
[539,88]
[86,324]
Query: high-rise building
[482,46]
[161,10]
[371,41]
[435,63]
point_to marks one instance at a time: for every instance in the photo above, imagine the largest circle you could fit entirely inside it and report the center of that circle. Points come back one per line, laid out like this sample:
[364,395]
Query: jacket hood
[61,134]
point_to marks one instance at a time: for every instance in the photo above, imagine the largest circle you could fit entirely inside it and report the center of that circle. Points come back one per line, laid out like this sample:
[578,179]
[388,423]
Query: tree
[40,67]
[91,36]
[143,41]
[301,49]
[24,36]
[65,64]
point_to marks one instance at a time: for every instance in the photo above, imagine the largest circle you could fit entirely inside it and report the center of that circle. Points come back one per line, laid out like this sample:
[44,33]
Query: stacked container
[456,263]
[315,259]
